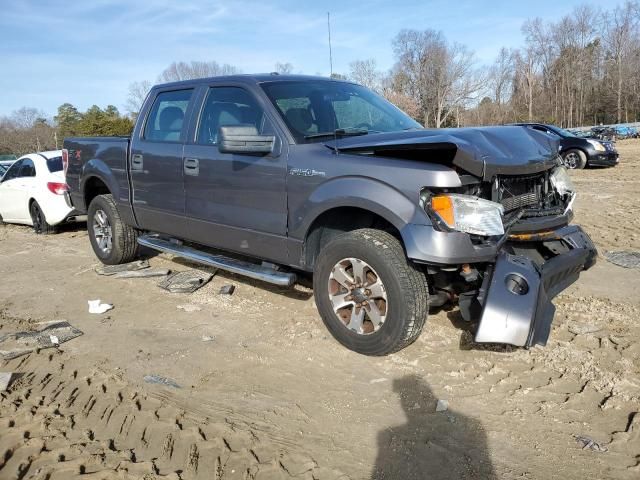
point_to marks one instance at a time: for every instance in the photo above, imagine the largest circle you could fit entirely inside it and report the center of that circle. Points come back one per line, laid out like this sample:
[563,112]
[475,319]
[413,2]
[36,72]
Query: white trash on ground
[95,306]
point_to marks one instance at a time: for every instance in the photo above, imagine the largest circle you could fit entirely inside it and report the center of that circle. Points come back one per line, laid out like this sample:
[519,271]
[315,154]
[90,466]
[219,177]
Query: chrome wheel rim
[571,160]
[358,296]
[102,231]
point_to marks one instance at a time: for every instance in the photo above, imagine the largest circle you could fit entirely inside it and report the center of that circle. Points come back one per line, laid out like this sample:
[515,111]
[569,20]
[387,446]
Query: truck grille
[518,192]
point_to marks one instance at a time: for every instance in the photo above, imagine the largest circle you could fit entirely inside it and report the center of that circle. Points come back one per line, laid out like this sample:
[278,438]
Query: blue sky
[88,52]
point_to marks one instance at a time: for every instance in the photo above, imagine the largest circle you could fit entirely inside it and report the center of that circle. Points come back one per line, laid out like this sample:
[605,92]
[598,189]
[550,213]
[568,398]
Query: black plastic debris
[126,267]
[227,290]
[13,345]
[624,259]
[158,380]
[587,443]
[185,282]
[144,273]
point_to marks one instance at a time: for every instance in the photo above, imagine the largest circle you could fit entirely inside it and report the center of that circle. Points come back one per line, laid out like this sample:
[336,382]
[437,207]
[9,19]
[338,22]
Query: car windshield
[317,109]
[54,164]
[562,132]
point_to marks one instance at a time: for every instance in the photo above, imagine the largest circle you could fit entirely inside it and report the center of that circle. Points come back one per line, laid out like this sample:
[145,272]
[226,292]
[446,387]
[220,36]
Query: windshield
[54,164]
[562,132]
[314,109]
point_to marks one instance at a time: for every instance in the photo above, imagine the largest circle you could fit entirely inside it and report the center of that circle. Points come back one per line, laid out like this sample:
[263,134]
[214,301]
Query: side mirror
[244,139]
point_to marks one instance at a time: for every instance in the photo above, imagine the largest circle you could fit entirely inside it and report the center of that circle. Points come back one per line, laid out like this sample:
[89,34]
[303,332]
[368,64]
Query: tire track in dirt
[59,422]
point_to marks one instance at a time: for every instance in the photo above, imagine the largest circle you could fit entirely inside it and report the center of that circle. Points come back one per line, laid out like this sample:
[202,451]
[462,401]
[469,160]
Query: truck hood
[484,152]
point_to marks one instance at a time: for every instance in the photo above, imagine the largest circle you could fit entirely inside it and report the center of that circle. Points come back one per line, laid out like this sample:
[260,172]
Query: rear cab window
[167,118]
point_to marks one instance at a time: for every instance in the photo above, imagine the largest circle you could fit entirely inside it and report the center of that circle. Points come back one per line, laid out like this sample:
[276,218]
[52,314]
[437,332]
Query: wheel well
[339,220]
[92,189]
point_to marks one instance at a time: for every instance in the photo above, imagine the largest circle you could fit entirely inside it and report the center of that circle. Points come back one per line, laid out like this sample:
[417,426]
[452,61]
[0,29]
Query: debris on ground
[208,338]
[5,380]
[95,306]
[13,345]
[125,267]
[227,289]
[442,406]
[589,444]
[161,381]
[189,307]
[144,273]
[185,282]
[624,258]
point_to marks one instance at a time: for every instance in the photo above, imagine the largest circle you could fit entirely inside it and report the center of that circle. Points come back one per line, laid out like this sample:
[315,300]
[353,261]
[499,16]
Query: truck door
[156,163]
[235,201]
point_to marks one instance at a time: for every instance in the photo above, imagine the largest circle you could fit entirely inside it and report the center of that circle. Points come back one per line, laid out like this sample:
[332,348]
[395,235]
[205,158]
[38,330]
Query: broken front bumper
[516,295]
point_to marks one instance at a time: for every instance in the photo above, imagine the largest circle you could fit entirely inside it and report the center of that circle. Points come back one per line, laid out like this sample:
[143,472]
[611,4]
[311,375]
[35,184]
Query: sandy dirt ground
[266,393]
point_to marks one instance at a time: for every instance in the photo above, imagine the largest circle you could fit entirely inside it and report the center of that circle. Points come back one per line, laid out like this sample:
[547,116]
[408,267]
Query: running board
[251,270]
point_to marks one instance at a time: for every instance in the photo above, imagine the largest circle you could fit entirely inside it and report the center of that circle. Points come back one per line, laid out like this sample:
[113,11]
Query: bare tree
[137,93]
[441,76]
[284,68]
[365,73]
[185,71]
[621,31]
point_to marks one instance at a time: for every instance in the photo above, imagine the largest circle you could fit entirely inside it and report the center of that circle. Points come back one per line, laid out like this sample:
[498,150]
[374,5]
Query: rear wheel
[574,159]
[370,297]
[38,220]
[112,240]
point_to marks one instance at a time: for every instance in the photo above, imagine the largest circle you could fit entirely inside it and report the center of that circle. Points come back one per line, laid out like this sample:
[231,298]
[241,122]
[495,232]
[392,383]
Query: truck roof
[250,78]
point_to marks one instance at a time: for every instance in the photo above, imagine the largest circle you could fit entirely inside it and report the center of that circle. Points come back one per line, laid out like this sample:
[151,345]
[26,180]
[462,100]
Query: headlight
[469,214]
[561,181]
[597,145]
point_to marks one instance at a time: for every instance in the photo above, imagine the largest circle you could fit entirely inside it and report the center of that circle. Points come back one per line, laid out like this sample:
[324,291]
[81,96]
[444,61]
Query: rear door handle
[136,162]
[192,167]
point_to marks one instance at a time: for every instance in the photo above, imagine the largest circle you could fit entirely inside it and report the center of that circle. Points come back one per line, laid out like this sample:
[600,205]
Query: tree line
[582,69]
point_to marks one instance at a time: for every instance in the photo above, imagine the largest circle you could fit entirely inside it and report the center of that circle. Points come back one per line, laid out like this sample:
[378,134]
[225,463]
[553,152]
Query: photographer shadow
[431,445]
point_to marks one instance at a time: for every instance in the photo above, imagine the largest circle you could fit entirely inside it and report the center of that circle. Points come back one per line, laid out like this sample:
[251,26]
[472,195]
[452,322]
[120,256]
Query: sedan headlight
[468,214]
[597,145]
[561,181]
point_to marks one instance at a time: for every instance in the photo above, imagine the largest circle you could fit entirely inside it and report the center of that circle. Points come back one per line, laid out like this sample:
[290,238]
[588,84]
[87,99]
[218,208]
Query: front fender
[360,192]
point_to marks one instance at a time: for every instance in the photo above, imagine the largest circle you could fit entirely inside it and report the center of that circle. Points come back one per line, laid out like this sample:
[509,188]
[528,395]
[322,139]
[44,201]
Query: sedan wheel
[38,220]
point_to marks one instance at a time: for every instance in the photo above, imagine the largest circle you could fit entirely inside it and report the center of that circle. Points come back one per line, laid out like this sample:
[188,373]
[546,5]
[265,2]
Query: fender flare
[96,168]
[377,197]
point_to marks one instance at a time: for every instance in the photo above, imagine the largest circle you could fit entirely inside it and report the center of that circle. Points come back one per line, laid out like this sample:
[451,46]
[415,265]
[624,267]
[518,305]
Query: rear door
[156,163]
[235,201]
[9,193]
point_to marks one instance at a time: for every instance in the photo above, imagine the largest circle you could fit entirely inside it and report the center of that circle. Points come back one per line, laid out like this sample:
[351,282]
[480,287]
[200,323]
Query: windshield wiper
[340,132]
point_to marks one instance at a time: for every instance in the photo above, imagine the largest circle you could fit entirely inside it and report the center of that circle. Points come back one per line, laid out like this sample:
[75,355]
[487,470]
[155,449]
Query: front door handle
[191,166]
[136,162]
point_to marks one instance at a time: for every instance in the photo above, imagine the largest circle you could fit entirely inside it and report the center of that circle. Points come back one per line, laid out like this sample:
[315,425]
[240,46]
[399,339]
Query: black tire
[405,285]
[124,238]
[574,159]
[40,225]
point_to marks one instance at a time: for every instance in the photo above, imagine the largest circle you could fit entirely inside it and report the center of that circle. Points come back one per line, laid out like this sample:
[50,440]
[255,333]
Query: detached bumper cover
[517,306]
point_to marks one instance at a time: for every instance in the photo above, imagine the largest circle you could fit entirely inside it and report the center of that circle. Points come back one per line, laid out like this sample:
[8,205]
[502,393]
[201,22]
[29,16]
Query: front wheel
[112,240]
[370,297]
[574,159]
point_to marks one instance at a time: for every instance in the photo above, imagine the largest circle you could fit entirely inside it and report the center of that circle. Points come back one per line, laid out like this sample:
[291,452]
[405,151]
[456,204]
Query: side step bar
[257,272]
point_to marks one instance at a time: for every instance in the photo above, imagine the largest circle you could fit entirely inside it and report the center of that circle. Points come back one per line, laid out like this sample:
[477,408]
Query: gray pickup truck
[277,177]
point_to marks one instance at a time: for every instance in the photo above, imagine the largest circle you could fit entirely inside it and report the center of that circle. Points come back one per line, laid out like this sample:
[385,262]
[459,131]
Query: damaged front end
[537,255]
[516,292]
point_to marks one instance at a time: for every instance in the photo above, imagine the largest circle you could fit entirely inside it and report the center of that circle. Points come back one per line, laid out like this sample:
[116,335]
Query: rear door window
[27,169]
[166,120]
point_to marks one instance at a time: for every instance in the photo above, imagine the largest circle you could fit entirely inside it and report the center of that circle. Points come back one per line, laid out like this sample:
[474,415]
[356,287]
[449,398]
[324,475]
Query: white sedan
[33,192]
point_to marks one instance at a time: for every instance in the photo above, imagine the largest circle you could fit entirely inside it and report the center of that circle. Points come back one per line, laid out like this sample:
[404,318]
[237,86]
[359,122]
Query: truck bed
[98,156]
